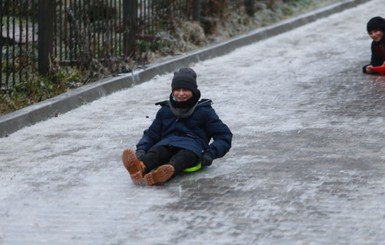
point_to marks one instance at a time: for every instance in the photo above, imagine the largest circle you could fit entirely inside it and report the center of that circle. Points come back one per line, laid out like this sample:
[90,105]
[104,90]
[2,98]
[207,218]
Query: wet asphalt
[307,164]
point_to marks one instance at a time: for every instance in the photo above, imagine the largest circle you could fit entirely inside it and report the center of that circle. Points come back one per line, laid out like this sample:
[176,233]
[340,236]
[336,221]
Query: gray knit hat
[185,78]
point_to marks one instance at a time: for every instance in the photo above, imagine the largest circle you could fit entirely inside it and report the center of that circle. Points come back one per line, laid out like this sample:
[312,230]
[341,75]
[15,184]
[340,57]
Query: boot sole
[132,164]
[160,175]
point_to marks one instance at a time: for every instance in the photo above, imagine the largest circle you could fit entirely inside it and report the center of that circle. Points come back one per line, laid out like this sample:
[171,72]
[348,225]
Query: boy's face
[376,35]
[182,95]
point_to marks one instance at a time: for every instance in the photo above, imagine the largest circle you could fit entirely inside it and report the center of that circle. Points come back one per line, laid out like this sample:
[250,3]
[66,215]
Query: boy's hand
[369,69]
[207,159]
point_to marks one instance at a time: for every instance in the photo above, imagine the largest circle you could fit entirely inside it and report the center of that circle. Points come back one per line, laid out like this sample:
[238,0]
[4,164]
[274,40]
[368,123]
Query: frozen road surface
[307,164]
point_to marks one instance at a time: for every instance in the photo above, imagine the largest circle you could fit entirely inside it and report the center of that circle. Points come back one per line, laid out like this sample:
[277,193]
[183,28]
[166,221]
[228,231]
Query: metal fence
[36,34]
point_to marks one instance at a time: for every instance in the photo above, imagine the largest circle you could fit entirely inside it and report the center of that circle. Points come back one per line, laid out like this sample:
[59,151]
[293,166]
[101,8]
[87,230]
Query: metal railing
[18,41]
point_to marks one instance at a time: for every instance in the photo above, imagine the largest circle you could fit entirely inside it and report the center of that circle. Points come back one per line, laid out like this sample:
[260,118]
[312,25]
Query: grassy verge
[39,88]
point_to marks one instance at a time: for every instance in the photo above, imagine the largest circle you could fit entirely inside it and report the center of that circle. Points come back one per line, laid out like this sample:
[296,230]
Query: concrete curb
[53,107]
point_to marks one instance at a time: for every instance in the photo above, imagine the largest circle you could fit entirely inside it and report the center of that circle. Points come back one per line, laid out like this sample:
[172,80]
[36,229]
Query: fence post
[45,42]
[130,9]
[250,7]
[196,10]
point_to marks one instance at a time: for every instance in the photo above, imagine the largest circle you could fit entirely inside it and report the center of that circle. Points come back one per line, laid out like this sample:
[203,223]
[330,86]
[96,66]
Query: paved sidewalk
[306,167]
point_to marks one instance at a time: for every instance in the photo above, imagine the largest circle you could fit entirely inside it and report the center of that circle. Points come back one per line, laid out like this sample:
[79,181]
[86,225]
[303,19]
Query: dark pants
[179,158]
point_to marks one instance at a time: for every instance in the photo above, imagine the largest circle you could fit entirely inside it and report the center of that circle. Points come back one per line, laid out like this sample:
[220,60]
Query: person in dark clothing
[185,132]
[376,30]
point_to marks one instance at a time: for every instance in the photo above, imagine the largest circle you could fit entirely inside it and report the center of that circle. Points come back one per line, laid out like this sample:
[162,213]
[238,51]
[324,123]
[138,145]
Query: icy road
[307,164]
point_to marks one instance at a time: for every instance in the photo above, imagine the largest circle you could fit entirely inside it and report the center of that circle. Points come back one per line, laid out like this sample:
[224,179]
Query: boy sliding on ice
[376,30]
[186,131]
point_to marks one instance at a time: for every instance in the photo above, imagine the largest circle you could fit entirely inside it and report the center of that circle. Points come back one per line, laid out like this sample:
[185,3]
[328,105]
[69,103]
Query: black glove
[139,154]
[207,159]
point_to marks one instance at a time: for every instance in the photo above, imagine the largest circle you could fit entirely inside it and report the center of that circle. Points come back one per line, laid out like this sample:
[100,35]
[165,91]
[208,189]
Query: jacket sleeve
[151,135]
[364,69]
[375,59]
[220,133]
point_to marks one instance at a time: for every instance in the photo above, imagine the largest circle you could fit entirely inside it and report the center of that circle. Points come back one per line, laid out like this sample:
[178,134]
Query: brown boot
[135,167]
[159,175]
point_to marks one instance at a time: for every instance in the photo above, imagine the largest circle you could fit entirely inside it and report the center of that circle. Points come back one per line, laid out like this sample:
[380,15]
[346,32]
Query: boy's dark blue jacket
[192,133]
[378,53]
